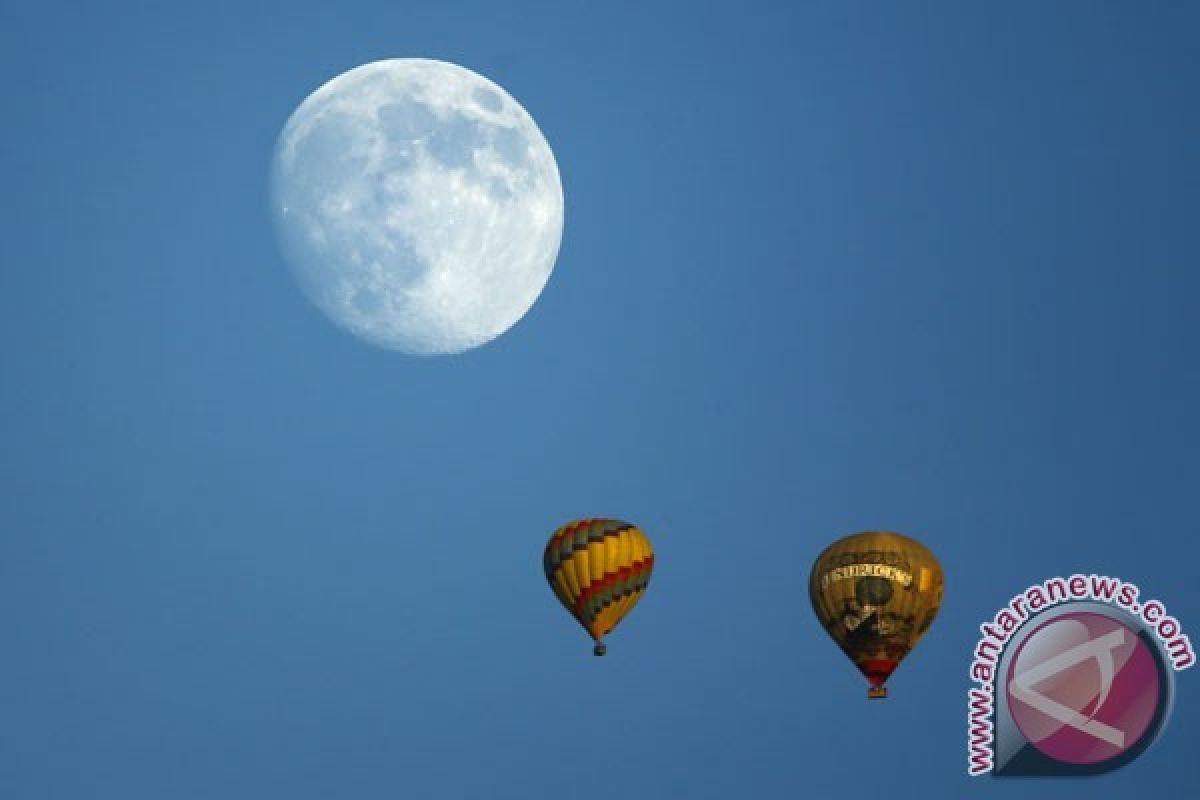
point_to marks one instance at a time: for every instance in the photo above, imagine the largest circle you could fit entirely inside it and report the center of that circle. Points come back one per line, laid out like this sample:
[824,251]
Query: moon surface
[418,205]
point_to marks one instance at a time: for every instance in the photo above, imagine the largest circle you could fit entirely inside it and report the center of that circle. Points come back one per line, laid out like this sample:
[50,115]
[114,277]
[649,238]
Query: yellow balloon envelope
[599,569]
[876,593]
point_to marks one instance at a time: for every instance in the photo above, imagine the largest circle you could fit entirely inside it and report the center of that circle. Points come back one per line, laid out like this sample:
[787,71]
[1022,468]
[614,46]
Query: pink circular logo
[1083,688]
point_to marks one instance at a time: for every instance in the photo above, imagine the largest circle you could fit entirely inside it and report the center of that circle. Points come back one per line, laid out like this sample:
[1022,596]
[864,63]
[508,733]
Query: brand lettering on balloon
[867,570]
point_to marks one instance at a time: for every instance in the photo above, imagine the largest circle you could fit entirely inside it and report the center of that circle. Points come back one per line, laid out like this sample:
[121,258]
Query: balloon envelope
[876,593]
[599,569]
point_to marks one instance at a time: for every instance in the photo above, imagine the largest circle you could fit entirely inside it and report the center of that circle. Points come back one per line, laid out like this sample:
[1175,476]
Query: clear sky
[826,267]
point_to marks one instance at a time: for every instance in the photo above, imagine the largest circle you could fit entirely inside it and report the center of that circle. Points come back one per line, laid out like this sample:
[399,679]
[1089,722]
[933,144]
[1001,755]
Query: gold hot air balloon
[876,593]
[599,569]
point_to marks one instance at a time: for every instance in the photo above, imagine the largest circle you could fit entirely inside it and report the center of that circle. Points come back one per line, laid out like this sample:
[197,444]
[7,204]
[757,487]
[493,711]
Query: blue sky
[826,267]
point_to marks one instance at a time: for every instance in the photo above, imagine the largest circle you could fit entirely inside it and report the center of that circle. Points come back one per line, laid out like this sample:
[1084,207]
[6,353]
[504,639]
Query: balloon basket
[877,692]
[599,649]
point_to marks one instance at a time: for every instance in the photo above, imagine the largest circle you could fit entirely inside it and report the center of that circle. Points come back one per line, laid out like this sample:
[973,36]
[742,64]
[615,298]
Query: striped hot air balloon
[876,593]
[599,569]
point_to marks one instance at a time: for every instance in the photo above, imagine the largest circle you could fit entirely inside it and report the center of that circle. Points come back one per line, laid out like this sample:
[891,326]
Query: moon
[418,205]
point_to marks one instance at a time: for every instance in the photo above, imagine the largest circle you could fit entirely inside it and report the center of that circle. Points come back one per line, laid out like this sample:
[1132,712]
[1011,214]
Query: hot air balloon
[876,593]
[599,569]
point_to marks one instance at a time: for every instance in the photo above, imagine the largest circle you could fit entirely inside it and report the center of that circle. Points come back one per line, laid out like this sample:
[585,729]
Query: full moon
[418,205]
